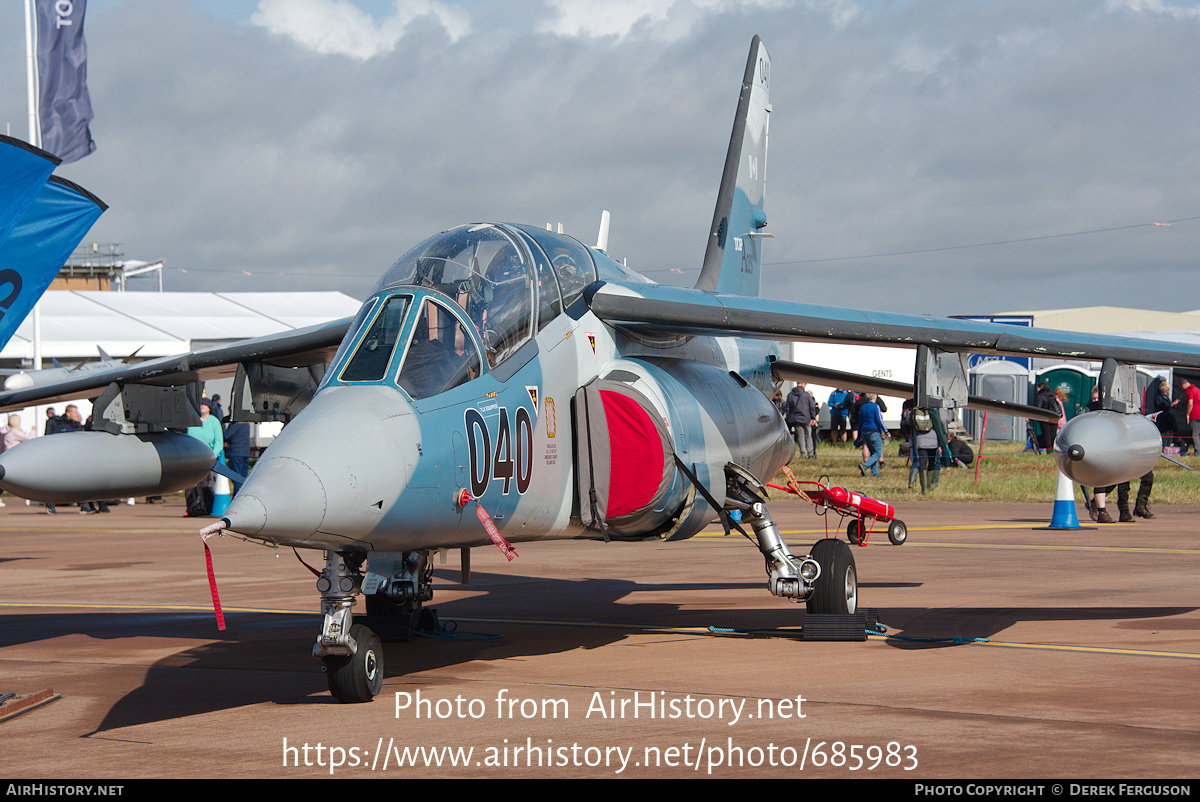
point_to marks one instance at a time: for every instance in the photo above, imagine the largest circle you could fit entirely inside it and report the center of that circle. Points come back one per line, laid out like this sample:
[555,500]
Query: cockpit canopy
[480,288]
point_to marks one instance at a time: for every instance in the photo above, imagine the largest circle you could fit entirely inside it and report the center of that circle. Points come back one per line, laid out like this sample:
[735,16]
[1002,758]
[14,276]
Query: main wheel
[897,533]
[854,532]
[836,589]
[357,677]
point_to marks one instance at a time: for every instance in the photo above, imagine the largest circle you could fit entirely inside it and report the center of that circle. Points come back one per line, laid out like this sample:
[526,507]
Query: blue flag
[23,170]
[38,246]
[64,107]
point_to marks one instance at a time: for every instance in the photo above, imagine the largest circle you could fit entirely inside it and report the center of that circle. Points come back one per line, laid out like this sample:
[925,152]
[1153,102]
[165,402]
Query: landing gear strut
[826,579]
[396,587]
[788,576]
[351,653]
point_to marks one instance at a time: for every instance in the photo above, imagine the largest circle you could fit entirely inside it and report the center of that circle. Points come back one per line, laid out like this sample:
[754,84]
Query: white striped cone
[222,492]
[1064,516]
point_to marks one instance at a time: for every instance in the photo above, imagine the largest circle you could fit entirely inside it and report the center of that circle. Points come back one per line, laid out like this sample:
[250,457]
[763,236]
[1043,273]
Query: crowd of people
[853,417]
[857,418]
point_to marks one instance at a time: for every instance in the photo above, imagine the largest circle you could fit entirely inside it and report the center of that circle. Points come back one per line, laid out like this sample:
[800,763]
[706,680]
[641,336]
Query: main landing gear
[826,579]
[836,589]
[396,586]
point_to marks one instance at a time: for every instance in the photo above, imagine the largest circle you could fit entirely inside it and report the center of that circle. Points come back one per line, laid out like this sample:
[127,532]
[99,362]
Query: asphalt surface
[1090,667]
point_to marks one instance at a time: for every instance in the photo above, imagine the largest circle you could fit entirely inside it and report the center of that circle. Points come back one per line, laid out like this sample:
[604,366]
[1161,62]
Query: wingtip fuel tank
[1103,448]
[90,466]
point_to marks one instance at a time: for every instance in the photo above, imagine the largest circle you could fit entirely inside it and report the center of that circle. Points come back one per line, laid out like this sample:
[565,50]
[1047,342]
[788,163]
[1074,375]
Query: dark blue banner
[64,107]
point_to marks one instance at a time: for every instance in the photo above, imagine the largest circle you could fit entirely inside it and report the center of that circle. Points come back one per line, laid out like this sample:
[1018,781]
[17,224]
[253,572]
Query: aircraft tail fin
[732,260]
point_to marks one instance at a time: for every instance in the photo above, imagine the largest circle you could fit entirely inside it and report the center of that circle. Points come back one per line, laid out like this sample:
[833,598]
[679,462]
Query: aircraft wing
[656,310]
[291,349]
[794,371]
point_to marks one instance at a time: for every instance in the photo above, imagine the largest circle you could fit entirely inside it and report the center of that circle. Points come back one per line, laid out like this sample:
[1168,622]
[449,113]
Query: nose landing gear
[357,677]
[352,654]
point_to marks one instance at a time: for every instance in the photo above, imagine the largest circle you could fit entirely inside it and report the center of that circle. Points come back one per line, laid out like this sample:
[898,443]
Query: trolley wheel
[854,532]
[836,589]
[897,533]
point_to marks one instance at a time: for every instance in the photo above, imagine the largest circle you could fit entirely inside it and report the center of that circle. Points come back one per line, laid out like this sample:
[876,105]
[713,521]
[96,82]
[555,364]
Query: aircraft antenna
[602,237]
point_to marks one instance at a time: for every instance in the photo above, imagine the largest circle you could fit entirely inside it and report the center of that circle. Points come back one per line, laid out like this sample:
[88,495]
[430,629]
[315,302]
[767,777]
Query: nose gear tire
[357,677]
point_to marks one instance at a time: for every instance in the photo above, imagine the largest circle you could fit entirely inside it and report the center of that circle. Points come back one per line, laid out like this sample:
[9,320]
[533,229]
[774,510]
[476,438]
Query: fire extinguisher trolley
[864,512]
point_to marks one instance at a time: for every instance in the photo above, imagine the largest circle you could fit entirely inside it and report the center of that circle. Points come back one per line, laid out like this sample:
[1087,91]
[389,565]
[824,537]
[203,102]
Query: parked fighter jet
[506,384]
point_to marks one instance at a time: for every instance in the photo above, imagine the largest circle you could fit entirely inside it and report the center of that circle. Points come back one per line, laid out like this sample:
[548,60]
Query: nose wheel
[351,654]
[357,677]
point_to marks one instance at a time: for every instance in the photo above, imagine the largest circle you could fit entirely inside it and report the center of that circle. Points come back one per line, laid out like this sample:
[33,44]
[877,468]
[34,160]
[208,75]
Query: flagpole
[35,133]
[35,139]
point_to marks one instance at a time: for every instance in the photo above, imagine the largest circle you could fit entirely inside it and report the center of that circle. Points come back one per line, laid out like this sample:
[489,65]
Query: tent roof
[164,323]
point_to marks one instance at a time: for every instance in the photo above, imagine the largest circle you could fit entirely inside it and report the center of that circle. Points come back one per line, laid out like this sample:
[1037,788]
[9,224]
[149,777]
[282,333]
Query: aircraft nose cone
[285,497]
[333,473]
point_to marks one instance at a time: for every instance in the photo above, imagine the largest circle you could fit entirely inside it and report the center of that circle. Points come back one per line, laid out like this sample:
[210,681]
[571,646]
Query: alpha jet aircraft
[506,384]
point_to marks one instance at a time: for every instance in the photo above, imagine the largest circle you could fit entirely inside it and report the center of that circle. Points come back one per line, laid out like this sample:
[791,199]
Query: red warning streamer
[490,527]
[212,586]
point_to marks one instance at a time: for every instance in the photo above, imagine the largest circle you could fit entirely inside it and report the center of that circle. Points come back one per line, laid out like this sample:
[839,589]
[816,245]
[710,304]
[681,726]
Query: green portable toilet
[1077,382]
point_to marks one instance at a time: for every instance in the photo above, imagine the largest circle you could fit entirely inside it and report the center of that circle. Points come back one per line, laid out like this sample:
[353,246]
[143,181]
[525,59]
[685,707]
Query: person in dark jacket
[801,417]
[839,402]
[961,452]
[69,421]
[1045,400]
[237,449]
[855,411]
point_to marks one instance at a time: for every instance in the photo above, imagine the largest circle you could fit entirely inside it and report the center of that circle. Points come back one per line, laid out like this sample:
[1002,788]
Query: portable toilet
[1077,383]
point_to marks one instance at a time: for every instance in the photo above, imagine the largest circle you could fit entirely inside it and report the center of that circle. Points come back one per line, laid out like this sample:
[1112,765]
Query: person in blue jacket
[872,431]
[837,416]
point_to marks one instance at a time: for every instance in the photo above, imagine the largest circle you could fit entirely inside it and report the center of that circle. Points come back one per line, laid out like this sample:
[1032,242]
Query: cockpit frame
[497,284]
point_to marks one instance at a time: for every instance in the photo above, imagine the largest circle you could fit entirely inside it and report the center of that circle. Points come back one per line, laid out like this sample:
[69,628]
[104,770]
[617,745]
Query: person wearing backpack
[925,449]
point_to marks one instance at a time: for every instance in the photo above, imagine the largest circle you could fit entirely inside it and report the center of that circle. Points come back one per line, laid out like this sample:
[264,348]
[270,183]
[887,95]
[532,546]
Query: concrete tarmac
[582,659]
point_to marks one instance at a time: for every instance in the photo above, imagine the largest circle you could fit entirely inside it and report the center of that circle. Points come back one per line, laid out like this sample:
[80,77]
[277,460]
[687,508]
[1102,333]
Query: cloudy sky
[937,156]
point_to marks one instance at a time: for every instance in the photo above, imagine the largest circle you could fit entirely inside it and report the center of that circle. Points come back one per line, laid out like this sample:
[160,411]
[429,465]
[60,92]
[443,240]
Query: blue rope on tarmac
[448,630]
[957,641]
[791,633]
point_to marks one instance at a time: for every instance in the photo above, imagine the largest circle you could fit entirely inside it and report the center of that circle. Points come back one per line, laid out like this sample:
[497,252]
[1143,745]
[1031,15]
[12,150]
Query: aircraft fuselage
[377,463]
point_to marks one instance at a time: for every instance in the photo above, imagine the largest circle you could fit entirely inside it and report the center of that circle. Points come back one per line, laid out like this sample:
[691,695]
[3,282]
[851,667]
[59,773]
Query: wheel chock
[841,627]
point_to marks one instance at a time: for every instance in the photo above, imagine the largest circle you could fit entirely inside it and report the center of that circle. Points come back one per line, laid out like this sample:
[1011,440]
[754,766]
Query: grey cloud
[222,147]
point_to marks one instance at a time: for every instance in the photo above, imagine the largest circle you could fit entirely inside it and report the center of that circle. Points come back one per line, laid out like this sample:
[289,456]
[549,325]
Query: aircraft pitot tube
[93,466]
[1103,448]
